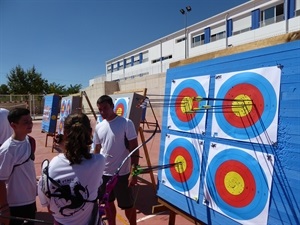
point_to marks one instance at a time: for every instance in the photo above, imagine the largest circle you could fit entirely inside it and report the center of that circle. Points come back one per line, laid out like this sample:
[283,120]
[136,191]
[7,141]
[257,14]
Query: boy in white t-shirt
[17,172]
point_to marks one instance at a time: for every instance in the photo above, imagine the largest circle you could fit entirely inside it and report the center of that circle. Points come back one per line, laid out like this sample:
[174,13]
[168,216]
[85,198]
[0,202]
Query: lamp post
[183,12]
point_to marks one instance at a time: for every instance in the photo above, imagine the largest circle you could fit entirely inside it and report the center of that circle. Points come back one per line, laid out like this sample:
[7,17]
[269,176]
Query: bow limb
[138,147]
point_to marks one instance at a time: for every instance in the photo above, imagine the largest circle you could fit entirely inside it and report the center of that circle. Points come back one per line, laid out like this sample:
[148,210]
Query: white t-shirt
[5,128]
[81,180]
[21,180]
[111,136]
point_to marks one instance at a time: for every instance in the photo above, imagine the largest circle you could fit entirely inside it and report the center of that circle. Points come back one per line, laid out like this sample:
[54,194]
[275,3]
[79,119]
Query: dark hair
[78,137]
[15,114]
[105,99]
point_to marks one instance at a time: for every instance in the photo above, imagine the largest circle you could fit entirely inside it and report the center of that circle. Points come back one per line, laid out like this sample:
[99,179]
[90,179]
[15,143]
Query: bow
[103,204]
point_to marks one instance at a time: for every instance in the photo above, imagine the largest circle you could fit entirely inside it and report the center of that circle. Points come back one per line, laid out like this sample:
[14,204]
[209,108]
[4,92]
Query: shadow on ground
[145,197]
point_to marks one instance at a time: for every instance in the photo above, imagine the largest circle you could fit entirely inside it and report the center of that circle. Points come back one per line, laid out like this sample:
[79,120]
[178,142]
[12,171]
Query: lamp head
[182,11]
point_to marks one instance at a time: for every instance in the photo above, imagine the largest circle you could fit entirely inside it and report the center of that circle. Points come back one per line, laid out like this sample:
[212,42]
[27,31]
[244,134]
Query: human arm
[4,207]
[97,149]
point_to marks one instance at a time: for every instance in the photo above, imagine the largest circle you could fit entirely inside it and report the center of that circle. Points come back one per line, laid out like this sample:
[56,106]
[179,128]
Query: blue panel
[229,27]
[51,110]
[124,63]
[255,19]
[141,57]
[284,206]
[291,8]
[132,60]
[206,35]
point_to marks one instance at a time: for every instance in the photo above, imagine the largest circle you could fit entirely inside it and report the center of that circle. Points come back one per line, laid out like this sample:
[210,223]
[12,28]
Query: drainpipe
[226,38]
[161,66]
[286,16]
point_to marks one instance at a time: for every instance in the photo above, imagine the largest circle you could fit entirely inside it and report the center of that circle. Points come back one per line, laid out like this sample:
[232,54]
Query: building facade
[249,22]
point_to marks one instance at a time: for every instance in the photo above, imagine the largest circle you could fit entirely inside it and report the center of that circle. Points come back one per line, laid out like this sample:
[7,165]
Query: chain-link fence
[35,103]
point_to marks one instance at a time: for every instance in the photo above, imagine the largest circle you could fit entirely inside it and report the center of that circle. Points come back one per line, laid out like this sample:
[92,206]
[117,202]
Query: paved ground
[145,191]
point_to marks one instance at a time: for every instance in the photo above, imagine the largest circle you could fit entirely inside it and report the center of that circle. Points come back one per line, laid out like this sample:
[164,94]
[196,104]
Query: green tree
[56,88]
[21,82]
[73,89]
[4,90]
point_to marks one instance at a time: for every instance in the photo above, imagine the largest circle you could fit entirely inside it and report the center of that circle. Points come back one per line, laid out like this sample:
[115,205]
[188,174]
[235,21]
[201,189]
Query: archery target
[185,176]
[121,106]
[246,105]
[186,110]
[238,183]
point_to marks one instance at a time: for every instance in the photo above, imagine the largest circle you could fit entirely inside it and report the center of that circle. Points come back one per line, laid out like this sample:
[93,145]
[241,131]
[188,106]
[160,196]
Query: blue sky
[69,41]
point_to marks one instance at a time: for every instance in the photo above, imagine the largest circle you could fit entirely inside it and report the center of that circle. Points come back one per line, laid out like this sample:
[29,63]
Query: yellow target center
[234,183]
[119,111]
[181,166]
[242,106]
[186,104]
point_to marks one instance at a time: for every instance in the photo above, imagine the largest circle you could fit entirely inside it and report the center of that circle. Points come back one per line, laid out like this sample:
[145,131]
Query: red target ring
[120,109]
[182,104]
[249,104]
[235,183]
[183,171]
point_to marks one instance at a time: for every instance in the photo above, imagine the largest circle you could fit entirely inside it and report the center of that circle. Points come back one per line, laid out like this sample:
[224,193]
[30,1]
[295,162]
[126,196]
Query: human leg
[104,199]
[131,215]
[26,211]
[111,214]
[125,198]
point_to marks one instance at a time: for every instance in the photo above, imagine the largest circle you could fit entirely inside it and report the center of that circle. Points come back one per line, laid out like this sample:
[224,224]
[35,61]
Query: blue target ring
[121,103]
[197,87]
[255,207]
[194,165]
[270,100]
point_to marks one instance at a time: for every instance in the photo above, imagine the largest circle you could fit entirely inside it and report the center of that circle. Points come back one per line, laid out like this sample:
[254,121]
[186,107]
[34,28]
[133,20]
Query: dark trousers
[25,211]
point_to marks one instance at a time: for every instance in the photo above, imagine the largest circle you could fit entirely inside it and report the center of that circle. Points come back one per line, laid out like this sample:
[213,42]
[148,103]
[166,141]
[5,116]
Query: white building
[251,21]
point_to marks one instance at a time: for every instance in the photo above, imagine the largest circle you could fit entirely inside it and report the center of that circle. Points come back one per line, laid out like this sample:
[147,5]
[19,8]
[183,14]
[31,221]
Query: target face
[249,105]
[121,106]
[186,112]
[184,177]
[238,183]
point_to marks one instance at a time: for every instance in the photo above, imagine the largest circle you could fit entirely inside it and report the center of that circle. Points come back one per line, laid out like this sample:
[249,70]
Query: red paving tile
[145,190]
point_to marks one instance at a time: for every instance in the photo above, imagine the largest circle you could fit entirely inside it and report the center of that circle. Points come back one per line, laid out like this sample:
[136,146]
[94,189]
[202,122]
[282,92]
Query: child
[69,184]
[17,172]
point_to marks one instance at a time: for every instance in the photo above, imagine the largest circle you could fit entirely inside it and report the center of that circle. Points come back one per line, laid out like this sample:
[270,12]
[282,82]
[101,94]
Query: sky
[69,41]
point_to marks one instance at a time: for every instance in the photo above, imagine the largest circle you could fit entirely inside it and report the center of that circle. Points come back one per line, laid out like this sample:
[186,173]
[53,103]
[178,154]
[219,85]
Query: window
[217,36]
[272,15]
[128,62]
[121,65]
[180,40]
[241,25]
[108,68]
[145,56]
[198,40]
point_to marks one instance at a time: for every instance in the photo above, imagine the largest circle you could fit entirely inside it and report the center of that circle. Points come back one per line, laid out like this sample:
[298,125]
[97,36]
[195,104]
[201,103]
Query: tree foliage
[21,82]
[30,81]
[4,90]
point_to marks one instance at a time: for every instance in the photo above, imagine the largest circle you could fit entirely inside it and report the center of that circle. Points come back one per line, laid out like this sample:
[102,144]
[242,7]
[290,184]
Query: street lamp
[183,12]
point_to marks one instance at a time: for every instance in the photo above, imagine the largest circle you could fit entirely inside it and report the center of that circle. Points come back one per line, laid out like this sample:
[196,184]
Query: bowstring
[113,180]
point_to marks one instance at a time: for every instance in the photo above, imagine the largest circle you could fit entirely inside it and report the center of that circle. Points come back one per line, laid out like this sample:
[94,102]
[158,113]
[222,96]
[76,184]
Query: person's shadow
[44,217]
[145,197]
